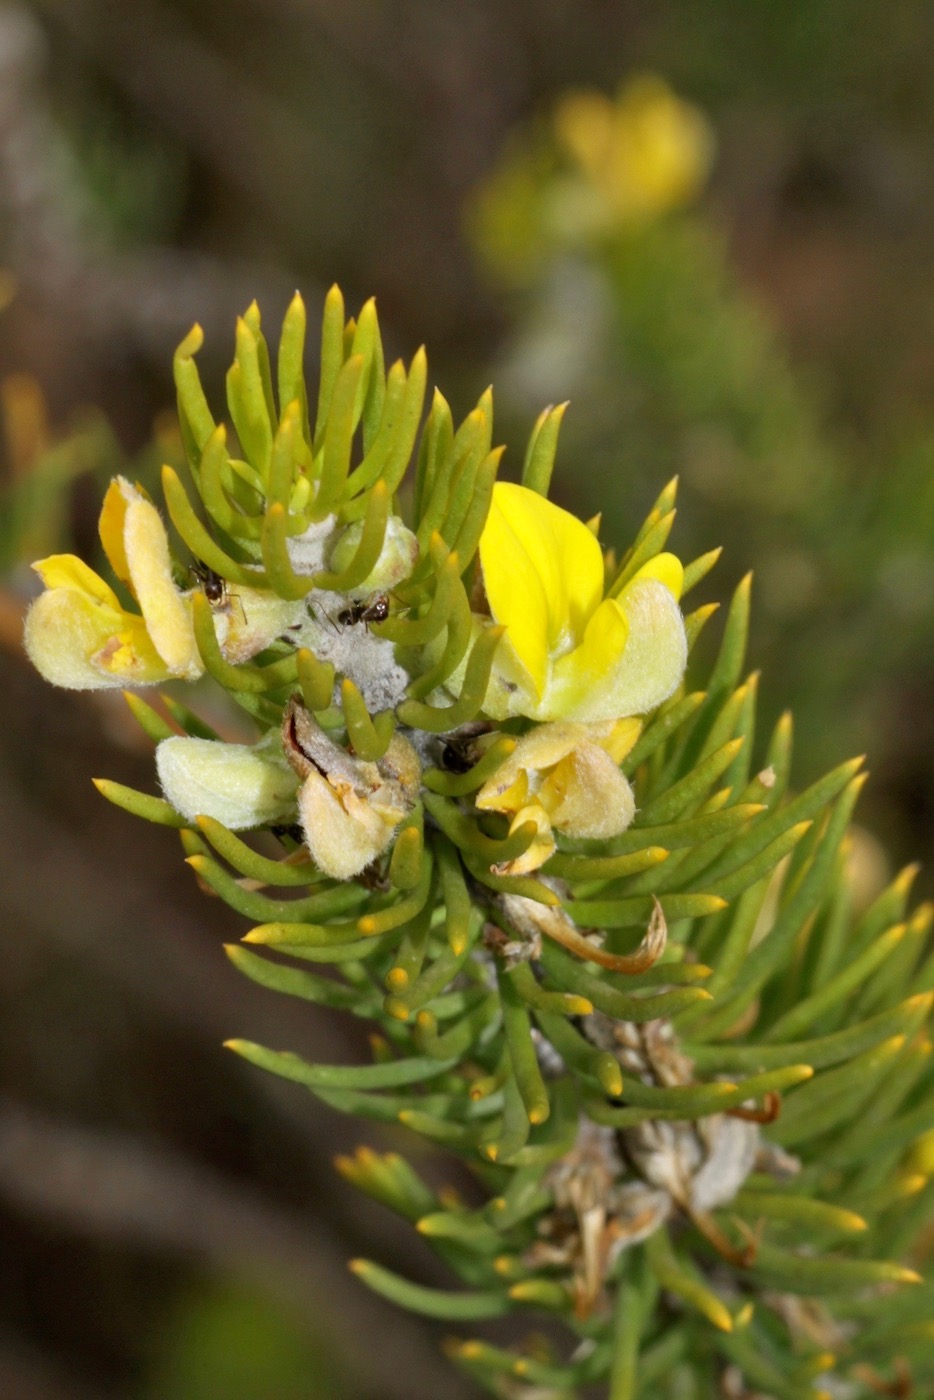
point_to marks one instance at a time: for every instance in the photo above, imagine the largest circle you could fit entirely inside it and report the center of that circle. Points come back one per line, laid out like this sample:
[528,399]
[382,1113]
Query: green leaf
[296,982]
[543,446]
[387,1075]
[431,1302]
[811,1277]
[140,804]
[822,1051]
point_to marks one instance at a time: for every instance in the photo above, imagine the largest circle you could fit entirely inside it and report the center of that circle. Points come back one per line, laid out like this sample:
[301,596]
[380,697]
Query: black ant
[377,610]
[293,832]
[455,758]
[214,587]
[459,752]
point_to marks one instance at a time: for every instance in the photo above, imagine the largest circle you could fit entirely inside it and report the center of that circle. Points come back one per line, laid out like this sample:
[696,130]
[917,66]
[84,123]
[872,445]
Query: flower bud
[238,785]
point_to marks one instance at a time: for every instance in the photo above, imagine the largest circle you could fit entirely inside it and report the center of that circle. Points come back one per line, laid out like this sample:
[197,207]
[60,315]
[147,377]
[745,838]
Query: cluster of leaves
[797,1015]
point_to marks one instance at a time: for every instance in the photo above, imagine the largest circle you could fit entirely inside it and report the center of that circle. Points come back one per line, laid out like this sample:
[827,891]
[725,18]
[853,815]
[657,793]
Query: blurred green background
[761,322]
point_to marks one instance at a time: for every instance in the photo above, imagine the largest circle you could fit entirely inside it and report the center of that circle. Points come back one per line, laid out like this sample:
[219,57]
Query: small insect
[293,833]
[455,757]
[459,752]
[213,585]
[377,610]
[214,588]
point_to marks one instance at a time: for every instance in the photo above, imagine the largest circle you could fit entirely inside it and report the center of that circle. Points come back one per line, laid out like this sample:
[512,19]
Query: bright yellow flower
[79,635]
[644,153]
[568,652]
[564,776]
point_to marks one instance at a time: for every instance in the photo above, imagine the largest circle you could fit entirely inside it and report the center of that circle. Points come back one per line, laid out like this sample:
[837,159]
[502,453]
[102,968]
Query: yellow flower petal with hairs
[110,527]
[68,571]
[78,633]
[166,610]
[563,777]
[80,636]
[79,641]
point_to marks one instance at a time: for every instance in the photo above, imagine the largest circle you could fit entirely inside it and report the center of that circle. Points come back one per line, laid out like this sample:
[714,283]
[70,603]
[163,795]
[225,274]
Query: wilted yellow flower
[79,635]
[564,776]
[348,808]
[568,652]
[644,153]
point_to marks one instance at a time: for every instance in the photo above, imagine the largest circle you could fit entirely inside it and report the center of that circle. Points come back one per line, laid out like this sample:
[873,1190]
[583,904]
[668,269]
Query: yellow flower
[644,153]
[79,635]
[568,652]
[564,776]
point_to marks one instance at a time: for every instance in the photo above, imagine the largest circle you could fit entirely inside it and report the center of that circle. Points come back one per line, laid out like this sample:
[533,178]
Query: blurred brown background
[172,1228]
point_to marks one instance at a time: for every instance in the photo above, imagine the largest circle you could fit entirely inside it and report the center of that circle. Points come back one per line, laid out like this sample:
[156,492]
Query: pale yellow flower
[79,635]
[564,777]
[568,652]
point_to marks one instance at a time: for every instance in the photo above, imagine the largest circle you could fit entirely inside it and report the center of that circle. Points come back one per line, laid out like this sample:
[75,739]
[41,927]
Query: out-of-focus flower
[79,635]
[568,652]
[644,153]
[603,165]
[565,777]
[348,808]
[239,785]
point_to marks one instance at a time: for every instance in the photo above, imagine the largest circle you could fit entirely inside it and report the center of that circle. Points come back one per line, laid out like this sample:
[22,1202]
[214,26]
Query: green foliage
[628,1104]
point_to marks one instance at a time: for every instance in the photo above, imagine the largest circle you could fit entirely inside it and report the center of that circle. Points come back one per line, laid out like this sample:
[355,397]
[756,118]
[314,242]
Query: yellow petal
[652,664]
[509,787]
[68,571]
[166,611]
[130,656]
[541,849]
[667,568]
[584,125]
[587,667]
[543,575]
[587,796]
[663,148]
[621,738]
[111,523]
[343,831]
[504,792]
[79,643]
